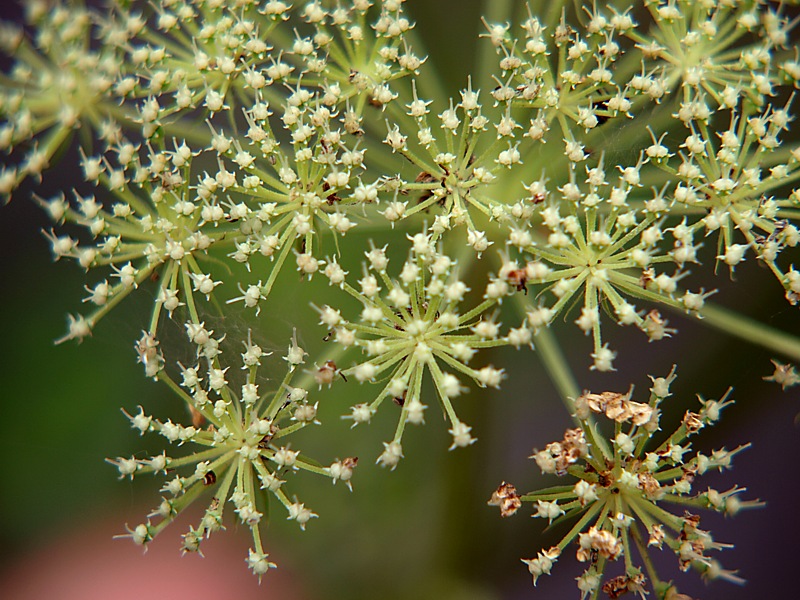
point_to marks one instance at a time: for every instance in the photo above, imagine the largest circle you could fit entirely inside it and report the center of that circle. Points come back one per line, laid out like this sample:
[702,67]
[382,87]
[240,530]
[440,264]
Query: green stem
[557,367]
[648,563]
[751,330]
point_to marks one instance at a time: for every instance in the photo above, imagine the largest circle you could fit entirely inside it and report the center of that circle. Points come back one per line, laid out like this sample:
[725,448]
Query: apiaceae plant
[601,159]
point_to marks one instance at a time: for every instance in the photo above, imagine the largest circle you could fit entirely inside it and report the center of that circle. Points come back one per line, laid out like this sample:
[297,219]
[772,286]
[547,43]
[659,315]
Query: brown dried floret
[649,485]
[623,584]
[575,441]
[693,542]
[598,402]
[692,421]
[691,551]
[598,542]
[507,498]
[640,413]
[690,523]
[656,536]
[617,407]
[558,456]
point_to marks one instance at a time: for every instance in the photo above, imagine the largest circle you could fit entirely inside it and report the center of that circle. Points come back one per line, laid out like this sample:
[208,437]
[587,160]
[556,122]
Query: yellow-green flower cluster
[238,436]
[410,328]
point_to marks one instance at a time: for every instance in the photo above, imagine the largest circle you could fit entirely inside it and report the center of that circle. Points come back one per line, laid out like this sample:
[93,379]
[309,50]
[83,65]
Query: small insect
[273,429]
[780,227]
[605,479]
[210,478]
[594,556]
[537,198]
[331,198]
[168,181]
[425,177]
[647,278]
[400,400]
[197,417]
[693,422]
[147,347]
[656,317]
[519,279]
[689,473]
[327,373]
[352,124]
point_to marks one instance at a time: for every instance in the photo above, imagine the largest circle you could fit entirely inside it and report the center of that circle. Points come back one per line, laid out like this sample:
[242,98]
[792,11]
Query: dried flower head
[624,484]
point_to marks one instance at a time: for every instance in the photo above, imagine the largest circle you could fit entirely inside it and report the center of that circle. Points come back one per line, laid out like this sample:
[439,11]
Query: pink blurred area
[89,564]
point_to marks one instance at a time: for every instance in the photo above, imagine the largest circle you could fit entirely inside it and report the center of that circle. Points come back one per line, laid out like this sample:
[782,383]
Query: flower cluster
[624,484]
[411,326]
[606,250]
[183,57]
[452,174]
[157,227]
[716,53]
[239,435]
[720,174]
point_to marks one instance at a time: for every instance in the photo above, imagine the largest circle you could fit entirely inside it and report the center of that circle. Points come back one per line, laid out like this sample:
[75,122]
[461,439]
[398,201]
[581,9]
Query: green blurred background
[423,531]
